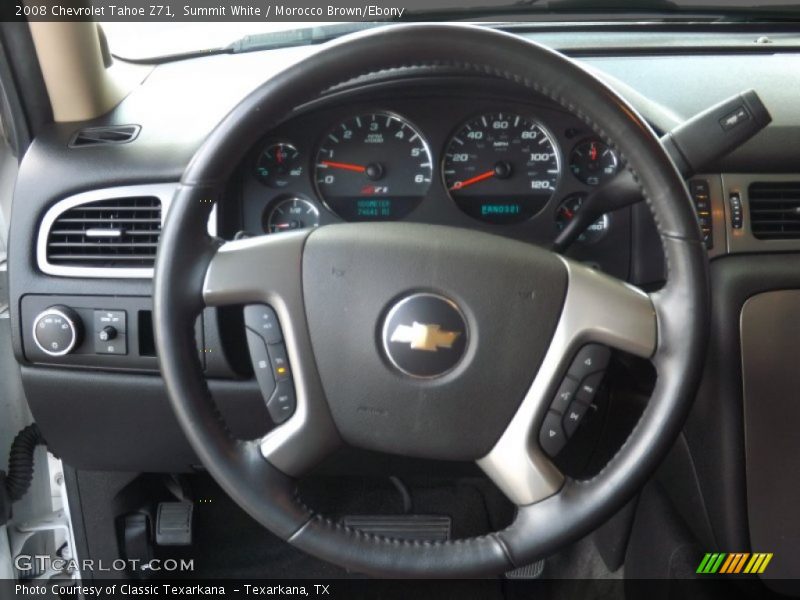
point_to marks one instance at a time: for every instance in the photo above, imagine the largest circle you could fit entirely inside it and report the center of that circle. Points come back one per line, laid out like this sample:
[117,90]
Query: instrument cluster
[519,169]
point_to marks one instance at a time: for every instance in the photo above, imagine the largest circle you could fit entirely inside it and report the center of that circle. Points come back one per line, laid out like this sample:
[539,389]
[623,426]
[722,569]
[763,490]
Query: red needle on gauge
[460,185]
[345,166]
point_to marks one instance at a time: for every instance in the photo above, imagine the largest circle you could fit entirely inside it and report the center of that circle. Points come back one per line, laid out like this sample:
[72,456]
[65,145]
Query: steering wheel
[510,317]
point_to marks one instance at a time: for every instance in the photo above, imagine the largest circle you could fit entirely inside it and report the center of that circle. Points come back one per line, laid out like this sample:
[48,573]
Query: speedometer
[501,167]
[373,167]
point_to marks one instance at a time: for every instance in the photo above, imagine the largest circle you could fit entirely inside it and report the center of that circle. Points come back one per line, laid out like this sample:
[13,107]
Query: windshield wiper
[667,9]
[296,37]
[271,40]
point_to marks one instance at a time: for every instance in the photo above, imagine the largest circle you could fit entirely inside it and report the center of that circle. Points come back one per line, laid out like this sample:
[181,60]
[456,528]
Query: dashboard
[448,153]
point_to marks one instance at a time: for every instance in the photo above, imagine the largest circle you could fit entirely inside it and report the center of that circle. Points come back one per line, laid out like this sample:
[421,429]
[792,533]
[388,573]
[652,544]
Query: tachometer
[501,167]
[373,167]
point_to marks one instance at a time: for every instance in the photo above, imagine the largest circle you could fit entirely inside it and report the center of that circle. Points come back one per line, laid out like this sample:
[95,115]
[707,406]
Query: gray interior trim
[254,271]
[770,333]
[8,176]
[599,309]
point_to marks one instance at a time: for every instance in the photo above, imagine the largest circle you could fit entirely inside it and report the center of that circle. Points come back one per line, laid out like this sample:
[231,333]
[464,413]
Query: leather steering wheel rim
[181,292]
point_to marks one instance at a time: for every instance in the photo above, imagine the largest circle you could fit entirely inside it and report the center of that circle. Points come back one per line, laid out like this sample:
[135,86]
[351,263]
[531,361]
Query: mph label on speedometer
[501,167]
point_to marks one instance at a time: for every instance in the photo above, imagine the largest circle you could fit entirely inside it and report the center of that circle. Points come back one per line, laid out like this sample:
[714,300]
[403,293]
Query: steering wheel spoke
[266,271]
[597,309]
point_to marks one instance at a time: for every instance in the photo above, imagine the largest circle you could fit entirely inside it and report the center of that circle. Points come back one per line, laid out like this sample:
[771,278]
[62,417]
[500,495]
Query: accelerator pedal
[531,571]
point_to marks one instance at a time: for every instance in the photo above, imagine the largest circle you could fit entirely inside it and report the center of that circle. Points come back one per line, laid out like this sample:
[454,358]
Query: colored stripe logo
[734,562]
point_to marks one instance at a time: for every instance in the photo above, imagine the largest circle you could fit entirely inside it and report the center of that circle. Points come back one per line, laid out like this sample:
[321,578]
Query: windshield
[191,30]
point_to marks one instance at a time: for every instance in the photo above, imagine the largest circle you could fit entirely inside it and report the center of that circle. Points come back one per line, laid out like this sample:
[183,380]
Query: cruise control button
[564,395]
[282,403]
[590,359]
[551,436]
[588,388]
[262,365]
[280,362]
[263,320]
[574,416]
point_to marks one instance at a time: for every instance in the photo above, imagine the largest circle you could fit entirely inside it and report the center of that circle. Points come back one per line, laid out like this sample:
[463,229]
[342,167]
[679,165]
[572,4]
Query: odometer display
[501,168]
[373,167]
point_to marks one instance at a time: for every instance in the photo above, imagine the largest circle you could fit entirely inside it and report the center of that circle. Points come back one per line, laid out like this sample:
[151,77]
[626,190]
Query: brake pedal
[174,523]
[430,528]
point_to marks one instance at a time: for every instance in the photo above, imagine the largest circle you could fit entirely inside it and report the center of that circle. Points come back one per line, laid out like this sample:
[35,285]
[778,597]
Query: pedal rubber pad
[174,523]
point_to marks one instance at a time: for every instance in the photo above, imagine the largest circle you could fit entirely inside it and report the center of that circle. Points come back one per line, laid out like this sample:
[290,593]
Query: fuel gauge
[289,214]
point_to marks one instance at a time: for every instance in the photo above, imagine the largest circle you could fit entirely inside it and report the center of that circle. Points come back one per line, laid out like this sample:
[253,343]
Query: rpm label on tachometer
[373,167]
[501,167]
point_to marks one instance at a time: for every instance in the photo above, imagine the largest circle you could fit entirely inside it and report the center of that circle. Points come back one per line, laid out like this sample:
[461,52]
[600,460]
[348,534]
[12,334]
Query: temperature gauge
[566,212]
[593,162]
[278,165]
[289,214]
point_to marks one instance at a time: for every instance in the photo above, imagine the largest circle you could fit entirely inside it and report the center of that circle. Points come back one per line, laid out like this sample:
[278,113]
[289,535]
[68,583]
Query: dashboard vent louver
[99,136]
[114,233]
[775,210]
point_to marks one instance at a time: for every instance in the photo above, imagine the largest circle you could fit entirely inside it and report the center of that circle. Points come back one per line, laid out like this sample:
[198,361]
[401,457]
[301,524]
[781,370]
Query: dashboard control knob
[57,330]
[107,333]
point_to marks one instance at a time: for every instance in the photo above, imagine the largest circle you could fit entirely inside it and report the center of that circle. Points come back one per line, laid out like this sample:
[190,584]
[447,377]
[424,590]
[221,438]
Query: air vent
[113,233]
[100,136]
[775,210]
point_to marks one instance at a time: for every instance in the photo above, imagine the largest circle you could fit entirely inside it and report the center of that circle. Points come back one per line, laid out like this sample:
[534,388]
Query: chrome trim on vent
[743,240]
[163,191]
[104,233]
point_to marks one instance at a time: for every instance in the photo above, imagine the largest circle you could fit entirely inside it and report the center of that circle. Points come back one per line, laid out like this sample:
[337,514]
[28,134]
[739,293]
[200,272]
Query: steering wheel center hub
[424,335]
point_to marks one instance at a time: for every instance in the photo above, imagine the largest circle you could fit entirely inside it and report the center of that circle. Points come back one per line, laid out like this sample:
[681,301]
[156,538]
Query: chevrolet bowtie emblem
[422,336]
